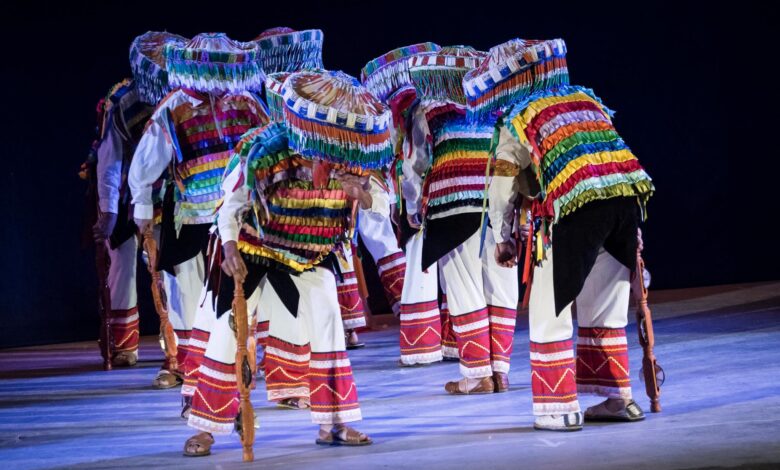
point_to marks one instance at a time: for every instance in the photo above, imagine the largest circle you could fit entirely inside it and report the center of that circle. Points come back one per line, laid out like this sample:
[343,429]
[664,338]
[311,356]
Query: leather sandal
[125,359]
[560,423]
[199,445]
[294,403]
[351,437]
[631,412]
[166,379]
[501,382]
[351,338]
[485,385]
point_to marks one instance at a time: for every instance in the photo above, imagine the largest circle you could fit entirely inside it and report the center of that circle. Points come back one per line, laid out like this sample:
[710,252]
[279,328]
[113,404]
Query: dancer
[191,135]
[286,208]
[420,336]
[446,171]
[128,106]
[594,193]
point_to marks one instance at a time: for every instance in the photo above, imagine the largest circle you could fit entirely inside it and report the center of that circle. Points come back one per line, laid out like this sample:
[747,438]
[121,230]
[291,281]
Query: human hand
[506,254]
[232,263]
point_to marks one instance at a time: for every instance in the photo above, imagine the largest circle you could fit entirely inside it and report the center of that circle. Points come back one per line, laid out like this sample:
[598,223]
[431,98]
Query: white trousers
[482,299]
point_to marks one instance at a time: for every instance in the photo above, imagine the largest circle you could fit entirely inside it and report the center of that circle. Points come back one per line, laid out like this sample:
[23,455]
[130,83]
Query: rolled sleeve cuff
[143,211]
[502,234]
[228,234]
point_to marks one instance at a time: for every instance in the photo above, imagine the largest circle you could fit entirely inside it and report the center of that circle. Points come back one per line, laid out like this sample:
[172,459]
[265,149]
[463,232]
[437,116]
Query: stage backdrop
[690,87]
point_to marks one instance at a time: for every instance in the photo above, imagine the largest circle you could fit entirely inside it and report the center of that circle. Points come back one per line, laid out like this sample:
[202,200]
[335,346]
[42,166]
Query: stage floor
[720,348]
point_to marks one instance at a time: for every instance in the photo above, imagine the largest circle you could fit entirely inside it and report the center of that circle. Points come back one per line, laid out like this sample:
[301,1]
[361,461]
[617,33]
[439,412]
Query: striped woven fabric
[293,224]
[148,64]
[274,84]
[273,94]
[439,75]
[389,72]
[332,117]
[512,71]
[286,50]
[578,154]
[214,63]
[125,111]
[127,114]
[206,134]
[455,182]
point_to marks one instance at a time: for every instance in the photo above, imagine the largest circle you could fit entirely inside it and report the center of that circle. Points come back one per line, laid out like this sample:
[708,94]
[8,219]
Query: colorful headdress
[513,71]
[274,83]
[273,93]
[332,117]
[439,75]
[148,64]
[389,73]
[212,62]
[291,223]
[286,50]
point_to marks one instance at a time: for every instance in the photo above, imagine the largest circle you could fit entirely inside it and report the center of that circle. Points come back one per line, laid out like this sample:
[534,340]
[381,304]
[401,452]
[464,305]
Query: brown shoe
[485,385]
[501,382]
[125,359]
[166,379]
[199,445]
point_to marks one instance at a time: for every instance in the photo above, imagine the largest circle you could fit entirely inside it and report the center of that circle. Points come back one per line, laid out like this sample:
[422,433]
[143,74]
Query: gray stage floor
[720,348]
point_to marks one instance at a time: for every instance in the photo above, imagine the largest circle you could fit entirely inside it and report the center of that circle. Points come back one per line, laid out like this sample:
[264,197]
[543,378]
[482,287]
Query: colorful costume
[593,192]
[420,339]
[287,214]
[445,180]
[191,135]
[128,106]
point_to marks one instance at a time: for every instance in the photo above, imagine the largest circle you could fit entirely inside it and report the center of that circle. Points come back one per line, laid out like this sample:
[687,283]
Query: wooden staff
[160,301]
[104,303]
[243,371]
[644,320]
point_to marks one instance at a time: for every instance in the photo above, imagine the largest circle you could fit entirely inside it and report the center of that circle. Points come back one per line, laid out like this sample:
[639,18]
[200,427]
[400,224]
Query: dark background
[692,84]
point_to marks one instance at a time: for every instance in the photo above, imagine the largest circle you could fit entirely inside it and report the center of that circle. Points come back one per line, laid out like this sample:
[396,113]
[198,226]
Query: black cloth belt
[445,234]
[578,237]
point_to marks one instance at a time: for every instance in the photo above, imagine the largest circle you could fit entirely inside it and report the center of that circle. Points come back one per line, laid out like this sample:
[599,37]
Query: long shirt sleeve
[109,169]
[417,164]
[511,178]
[380,197]
[152,156]
[235,199]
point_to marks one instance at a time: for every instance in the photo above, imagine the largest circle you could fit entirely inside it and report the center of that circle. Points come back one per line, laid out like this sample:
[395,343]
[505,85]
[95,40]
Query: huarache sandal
[125,359]
[631,412]
[294,403]
[460,387]
[560,423]
[199,445]
[501,382]
[166,379]
[344,436]
[352,341]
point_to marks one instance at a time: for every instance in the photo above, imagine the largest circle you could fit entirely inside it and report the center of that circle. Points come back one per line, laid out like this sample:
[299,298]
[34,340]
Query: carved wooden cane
[161,302]
[652,372]
[243,372]
[104,303]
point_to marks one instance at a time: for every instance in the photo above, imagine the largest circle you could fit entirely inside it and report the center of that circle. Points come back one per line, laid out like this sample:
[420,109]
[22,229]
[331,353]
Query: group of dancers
[249,163]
